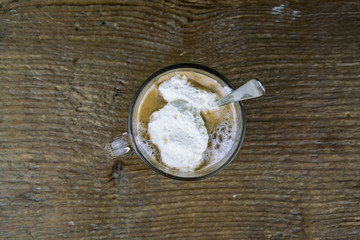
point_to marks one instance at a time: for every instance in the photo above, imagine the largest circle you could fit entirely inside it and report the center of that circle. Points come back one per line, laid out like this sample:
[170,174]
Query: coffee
[179,125]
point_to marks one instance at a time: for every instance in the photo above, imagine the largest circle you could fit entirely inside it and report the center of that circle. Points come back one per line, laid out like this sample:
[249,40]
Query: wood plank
[69,70]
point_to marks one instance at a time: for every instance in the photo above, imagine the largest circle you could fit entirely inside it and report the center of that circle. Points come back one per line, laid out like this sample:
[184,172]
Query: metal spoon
[251,89]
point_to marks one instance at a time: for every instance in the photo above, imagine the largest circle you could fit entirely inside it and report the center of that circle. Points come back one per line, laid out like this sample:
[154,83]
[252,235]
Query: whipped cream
[178,129]
[179,132]
[178,88]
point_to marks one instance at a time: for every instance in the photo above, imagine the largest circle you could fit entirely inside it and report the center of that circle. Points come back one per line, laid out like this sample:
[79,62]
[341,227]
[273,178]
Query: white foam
[145,142]
[228,90]
[221,139]
[180,134]
[177,88]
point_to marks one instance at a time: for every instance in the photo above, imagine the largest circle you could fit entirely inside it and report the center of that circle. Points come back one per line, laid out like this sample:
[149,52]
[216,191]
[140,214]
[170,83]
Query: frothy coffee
[179,125]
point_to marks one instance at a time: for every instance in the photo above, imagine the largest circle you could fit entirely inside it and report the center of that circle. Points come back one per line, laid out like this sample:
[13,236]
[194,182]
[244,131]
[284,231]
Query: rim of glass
[131,113]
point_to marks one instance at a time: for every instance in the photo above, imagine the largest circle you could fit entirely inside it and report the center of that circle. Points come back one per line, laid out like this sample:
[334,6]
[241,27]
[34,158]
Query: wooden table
[69,70]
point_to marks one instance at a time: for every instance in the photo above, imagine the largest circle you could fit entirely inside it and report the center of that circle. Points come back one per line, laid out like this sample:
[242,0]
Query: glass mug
[127,143]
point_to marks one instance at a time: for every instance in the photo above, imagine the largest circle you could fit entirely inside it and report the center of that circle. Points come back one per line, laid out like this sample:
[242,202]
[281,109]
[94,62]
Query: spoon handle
[251,89]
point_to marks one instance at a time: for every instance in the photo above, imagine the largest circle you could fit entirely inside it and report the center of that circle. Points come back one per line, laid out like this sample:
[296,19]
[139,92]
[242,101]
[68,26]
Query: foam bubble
[221,140]
[144,141]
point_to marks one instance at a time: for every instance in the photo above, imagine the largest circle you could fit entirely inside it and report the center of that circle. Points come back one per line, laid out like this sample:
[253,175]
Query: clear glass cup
[127,143]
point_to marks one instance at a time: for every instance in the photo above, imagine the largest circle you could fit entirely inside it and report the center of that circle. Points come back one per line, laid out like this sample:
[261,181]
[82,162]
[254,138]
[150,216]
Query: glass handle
[118,147]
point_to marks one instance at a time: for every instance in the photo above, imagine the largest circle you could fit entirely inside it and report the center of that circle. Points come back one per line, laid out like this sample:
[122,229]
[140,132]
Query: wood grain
[69,70]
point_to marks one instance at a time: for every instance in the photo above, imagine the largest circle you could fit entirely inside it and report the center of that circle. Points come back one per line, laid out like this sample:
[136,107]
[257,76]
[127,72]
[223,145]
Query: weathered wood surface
[69,69]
